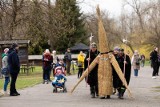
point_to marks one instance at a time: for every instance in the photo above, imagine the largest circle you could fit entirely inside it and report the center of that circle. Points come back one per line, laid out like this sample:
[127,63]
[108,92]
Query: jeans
[135,72]
[7,80]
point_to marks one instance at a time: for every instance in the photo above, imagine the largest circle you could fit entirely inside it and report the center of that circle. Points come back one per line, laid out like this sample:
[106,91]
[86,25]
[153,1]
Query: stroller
[59,79]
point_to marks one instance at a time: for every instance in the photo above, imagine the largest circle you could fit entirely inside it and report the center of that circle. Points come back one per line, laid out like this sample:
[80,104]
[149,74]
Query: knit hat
[14,45]
[116,48]
[6,50]
[93,45]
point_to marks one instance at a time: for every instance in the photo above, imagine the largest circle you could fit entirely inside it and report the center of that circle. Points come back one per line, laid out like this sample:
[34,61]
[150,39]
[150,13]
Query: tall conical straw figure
[105,83]
[104,70]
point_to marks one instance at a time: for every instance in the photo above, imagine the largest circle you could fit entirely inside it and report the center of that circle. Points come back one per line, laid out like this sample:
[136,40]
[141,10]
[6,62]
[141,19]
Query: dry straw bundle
[104,68]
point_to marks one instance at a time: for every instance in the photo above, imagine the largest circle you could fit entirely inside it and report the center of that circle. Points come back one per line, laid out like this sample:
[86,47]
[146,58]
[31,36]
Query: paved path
[41,95]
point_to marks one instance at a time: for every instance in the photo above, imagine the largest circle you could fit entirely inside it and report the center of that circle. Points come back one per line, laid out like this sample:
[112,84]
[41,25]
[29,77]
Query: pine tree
[36,29]
[69,26]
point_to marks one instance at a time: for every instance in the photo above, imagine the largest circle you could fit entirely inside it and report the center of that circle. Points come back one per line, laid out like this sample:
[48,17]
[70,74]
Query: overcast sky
[114,7]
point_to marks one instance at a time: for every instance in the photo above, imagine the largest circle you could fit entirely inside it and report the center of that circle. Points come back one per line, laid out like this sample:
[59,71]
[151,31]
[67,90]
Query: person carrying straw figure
[105,59]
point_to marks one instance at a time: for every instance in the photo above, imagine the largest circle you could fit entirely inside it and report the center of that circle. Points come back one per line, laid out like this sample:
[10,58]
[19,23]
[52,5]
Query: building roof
[8,42]
[79,47]
[39,57]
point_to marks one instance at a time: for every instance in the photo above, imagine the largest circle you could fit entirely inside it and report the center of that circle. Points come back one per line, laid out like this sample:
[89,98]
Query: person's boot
[17,93]
[102,97]
[120,96]
[47,81]
[92,90]
[114,91]
[43,82]
[92,95]
[108,97]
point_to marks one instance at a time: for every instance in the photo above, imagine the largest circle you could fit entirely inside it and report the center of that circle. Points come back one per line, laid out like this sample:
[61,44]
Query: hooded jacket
[13,61]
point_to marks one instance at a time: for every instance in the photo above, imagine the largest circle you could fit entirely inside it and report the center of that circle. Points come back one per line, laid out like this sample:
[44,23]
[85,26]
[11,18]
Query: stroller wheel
[64,90]
[54,90]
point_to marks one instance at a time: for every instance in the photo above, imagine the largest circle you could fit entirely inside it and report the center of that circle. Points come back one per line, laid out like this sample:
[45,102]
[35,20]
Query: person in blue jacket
[14,67]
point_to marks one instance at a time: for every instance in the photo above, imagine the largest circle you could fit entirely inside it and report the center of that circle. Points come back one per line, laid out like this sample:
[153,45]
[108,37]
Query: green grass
[147,63]
[32,78]
[25,80]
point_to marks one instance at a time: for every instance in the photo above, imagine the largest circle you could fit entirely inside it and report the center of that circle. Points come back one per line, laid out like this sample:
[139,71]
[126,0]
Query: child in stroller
[59,78]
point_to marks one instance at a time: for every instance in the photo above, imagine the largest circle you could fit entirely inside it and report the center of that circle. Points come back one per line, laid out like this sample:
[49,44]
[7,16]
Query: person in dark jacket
[68,59]
[124,59]
[115,75]
[14,67]
[154,61]
[117,83]
[158,65]
[92,79]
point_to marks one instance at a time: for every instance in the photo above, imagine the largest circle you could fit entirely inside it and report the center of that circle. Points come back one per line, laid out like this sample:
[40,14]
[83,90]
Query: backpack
[137,62]
[5,71]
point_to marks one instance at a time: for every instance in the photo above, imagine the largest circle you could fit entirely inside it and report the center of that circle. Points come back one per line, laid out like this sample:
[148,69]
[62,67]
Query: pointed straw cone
[105,83]
[120,74]
[87,71]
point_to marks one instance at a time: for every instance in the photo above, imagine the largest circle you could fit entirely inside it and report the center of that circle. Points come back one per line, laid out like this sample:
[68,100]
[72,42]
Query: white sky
[114,7]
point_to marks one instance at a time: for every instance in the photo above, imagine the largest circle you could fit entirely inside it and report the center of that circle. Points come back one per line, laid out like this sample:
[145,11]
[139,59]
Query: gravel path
[142,87]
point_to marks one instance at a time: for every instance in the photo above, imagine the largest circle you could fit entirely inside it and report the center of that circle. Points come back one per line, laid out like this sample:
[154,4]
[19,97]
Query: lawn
[24,80]
[32,78]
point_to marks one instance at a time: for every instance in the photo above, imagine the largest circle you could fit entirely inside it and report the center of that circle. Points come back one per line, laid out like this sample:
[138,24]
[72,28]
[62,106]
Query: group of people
[51,60]
[11,68]
[125,65]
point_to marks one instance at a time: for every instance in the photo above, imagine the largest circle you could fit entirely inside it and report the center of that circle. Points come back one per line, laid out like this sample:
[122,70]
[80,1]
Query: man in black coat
[117,83]
[68,59]
[14,67]
[92,79]
[154,62]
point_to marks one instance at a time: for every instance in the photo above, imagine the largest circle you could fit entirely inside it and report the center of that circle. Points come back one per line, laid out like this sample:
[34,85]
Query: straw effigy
[87,71]
[104,69]
[105,84]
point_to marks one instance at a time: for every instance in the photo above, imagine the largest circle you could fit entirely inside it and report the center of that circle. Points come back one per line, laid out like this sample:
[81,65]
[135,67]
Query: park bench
[27,68]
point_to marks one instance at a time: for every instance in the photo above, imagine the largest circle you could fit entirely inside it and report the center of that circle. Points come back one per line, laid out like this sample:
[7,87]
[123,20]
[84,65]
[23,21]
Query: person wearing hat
[115,76]
[92,79]
[5,66]
[125,65]
[14,67]
[121,59]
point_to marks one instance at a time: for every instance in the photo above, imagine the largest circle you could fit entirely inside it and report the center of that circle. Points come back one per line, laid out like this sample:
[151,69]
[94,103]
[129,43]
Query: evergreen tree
[36,29]
[68,24]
